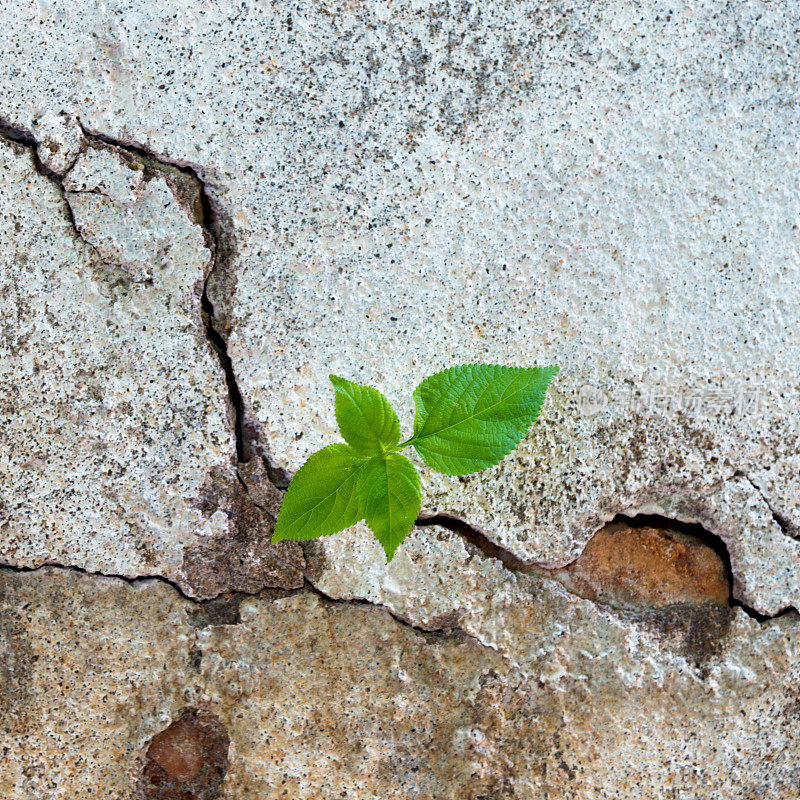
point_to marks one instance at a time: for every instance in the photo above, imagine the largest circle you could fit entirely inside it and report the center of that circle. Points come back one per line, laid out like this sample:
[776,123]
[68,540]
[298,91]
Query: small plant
[467,418]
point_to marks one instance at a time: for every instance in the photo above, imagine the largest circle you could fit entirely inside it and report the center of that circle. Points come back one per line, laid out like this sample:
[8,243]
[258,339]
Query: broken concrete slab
[115,409]
[471,204]
[387,192]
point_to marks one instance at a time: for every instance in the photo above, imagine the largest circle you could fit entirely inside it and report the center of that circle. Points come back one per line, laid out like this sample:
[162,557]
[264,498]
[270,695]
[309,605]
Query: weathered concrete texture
[60,141]
[91,669]
[646,567]
[405,188]
[381,191]
[241,558]
[305,699]
[114,405]
[439,582]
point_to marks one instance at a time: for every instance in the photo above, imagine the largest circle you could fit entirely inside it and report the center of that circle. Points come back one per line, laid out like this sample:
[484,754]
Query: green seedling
[467,418]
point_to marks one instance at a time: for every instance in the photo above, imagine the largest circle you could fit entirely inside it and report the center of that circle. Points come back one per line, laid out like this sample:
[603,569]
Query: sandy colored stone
[765,558]
[322,699]
[188,759]
[92,668]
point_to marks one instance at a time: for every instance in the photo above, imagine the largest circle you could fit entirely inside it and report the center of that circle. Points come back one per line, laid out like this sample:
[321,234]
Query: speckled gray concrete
[115,408]
[397,189]
[407,188]
[118,449]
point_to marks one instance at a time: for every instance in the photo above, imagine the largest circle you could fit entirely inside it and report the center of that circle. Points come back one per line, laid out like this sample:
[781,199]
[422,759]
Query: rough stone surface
[240,557]
[646,567]
[406,188]
[114,406]
[380,191]
[136,226]
[187,760]
[340,700]
[60,141]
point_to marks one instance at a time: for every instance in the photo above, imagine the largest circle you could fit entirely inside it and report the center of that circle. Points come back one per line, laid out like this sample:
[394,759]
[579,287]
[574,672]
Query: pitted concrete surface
[206,209]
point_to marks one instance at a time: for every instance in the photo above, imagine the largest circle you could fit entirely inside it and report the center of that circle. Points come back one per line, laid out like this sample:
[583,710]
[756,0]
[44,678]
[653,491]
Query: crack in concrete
[481,542]
[246,445]
[514,564]
[446,632]
[209,222]
[236,598]
[787,527]
[130,580]
[26,139]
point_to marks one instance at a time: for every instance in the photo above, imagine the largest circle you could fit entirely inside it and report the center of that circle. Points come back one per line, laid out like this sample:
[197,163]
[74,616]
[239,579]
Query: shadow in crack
[634,563]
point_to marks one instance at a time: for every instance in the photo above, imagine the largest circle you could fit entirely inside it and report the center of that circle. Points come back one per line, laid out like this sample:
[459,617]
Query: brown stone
[633,568]
[187,760]
[340,700]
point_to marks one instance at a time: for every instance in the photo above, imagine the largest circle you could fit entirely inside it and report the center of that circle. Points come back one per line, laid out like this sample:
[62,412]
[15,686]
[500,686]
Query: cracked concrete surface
[205,210]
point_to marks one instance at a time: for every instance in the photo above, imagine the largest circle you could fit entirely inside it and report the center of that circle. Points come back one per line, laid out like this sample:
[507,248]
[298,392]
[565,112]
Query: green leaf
[322,497]
[390,498]
[472,416]
[366,420]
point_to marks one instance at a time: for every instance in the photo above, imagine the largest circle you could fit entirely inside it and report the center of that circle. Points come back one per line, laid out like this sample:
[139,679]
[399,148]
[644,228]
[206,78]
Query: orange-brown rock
[628,567]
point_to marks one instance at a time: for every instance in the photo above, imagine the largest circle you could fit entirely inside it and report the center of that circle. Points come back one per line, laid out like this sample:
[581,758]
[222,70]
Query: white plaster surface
[607,189]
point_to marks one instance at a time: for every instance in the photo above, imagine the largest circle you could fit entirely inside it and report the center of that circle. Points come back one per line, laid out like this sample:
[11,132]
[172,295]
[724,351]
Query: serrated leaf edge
[419,404]
[276,537]
[333,378]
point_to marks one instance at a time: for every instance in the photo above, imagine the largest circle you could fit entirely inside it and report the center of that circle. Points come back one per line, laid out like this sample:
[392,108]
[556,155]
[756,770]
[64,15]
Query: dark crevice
[218,239]
[220,347]
[210,222]
[26,139]
[16,135]
[71,215]
[786,526]
[224,609]
[131,581]
[480,542]
[245,433]
[710,540]
[430,634]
